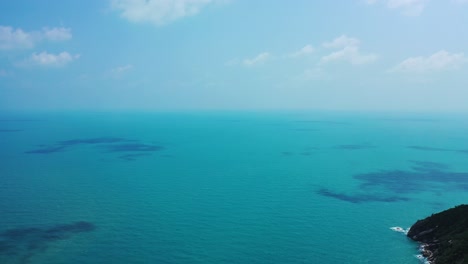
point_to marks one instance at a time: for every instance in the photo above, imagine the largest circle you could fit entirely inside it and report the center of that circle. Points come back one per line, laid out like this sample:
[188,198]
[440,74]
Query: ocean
[224,187]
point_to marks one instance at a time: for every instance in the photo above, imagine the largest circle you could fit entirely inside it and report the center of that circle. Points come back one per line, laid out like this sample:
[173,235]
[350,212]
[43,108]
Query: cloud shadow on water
[19,245]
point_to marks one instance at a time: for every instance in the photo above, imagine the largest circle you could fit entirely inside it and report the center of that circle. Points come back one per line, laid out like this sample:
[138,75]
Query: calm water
[224,187]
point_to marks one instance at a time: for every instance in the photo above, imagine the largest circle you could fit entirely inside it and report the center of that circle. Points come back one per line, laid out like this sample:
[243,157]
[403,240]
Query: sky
[350,55]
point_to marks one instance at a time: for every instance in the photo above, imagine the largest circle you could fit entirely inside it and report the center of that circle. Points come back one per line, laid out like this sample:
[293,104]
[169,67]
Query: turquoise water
[291,187]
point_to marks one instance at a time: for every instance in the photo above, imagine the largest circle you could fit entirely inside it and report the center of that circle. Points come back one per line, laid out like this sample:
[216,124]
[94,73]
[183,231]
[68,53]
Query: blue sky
[382,55]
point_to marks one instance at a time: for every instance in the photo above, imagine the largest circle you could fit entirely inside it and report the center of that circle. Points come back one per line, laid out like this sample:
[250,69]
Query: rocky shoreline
[443,236]
[427,252]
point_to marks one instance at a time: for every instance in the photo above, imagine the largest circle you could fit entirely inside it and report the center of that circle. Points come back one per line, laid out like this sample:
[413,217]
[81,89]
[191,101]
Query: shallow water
[286,187]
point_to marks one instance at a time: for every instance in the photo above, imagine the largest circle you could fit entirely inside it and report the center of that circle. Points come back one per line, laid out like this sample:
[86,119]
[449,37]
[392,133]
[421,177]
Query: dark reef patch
[10,130]
[311,148]
[424,148]
[354,146]
[109,144]
[306,151]
[306,129]
[47,150]
[399,181]
[425,120]
[360,198]
[134,147]
[19,245]
[324,122]
[429,148]
[90,141]
[18,120]
[428,165]
[424,176]
[132,157]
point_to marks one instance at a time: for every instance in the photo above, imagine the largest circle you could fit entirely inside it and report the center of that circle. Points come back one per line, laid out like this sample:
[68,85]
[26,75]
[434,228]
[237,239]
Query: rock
[444,236]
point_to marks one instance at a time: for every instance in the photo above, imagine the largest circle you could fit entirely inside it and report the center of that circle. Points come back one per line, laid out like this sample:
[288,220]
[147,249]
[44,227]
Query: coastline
[443,236]
[427,256]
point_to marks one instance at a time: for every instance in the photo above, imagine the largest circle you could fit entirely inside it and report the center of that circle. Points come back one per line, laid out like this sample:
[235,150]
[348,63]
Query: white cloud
[259,59]
[342,41]
[349,51]
[304,51]
[439,61]
[406,7]
[57,34]
[118,72]
[351,55]
[11,38]
[52,60]
[158,12]
[122,69]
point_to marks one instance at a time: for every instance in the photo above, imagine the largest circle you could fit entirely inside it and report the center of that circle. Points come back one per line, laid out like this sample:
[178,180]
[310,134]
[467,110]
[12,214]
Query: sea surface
[224,187]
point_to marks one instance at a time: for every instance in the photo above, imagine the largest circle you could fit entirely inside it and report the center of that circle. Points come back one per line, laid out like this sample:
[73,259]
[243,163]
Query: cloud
[406,7]
[304,51]
[158,12]
[342,41]
[57,34]
[349,51]
[51,60]
[350,54]
[121,70]
[439,61]
[259,59]
[11,38]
